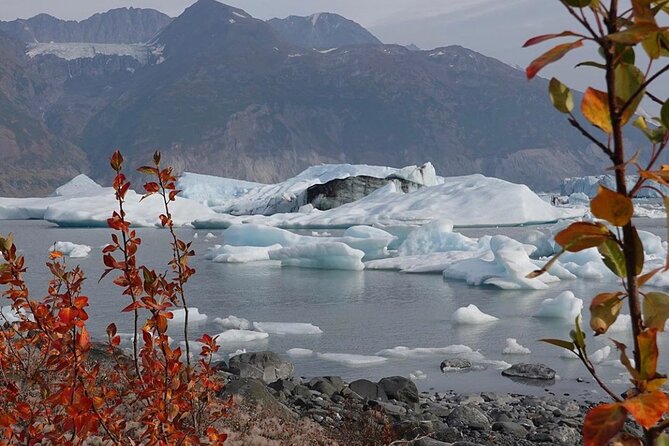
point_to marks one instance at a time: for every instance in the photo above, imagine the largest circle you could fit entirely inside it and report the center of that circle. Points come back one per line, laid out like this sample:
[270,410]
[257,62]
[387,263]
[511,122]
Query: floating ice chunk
[326,255]
[653,245]
[71,250]
[286,328]
[240,336]
[436,236]
[600,355]
[368,232]
[540,240]
[417,375]
[194,315]
[514,348]
[622,324]
[195,236]
[213,191]
[299,352]
[506,265]
[402,352]
[471,315]
[351,359]
[586,264]
[209,236]
[564,306]
[239,254]
[234,322]
[435,262]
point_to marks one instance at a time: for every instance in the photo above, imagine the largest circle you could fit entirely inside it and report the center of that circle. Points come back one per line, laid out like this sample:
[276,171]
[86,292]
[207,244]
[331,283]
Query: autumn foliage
[621,32]
[54,392]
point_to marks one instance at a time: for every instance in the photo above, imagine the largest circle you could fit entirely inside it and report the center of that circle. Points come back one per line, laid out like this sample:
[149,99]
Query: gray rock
[400,388]
[267,366]
[468,416]
[254,393]
[455,364]
[507,427]
[530,371]
[368,390]
[430,442]
[389,408]
[565,435]
[327,385]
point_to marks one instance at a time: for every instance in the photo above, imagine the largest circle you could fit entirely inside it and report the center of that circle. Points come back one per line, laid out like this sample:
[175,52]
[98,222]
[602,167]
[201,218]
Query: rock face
[341,191]
[122,25]
[266,366]
[530,371]
[368,390]
[323,31]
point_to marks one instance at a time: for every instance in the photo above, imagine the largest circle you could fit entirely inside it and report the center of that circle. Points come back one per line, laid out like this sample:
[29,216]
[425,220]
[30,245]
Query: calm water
[359,312]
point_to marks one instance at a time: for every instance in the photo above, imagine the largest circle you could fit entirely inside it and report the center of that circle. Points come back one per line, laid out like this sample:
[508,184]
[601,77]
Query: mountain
[34,160]
[233,98]
[122,25]
[323,31]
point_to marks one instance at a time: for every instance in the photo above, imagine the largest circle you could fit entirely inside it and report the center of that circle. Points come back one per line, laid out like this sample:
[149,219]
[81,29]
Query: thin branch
[654,98]
[640,182]
[572,120]
[642,87]
[582,21]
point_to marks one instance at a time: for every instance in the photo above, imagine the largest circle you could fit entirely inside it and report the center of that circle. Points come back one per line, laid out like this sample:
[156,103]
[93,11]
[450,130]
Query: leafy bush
[619,32]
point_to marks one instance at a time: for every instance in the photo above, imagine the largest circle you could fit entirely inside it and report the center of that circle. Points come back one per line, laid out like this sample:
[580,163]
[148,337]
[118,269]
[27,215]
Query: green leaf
[577,335]
[656,310]
[560,343]
[578,3]
[590,63]
[664,114]
[604,311]
[628,81]
[561,96]
[613,257]
[663,440]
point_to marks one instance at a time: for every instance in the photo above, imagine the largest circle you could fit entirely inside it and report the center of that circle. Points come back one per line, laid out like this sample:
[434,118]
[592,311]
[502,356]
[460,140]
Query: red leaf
[648,408]
[551,56]
[84,339]
[545,37]
[603,423]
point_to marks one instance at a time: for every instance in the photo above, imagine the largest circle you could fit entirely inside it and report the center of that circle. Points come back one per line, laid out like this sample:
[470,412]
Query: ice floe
[327,255]
[240,336]
[71,250]
[471,315]
[564,306]
[352,360]
[239,254]
[299,353]
[233,322]
[514,348]
[287,328]
[194,315]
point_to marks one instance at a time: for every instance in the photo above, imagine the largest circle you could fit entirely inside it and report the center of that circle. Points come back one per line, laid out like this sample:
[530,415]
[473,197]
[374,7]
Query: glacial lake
[359,312]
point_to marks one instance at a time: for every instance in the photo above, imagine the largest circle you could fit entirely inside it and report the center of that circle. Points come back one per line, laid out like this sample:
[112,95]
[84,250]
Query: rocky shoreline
[416,418]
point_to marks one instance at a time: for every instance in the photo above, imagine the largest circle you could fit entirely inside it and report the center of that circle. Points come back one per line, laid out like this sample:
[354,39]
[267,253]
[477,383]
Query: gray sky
[495,28]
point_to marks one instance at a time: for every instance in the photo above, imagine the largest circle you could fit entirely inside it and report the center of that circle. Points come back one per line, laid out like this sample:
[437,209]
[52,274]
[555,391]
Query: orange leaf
[613,207]
[595,108]
[55,255]
[603,423]
[550,56]
[582,235]
[648,408]
[84,339]
[649,352]
[545,37]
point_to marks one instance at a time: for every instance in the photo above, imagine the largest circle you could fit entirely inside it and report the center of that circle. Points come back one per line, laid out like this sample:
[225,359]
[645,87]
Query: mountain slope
[232,98]
[122,25]
[34,160]
[322,30]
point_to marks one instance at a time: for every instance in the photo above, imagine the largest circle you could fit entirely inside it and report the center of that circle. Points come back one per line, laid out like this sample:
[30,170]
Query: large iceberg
[473,200]
[290,195]
[589,186]
[327,255]
[211,190]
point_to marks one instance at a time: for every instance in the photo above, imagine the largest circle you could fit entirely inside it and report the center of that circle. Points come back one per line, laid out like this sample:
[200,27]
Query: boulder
[468,416]
[327,385]
[253,393]
[530,371]
[400,389]
[266,366]
[455,364]
[368,390]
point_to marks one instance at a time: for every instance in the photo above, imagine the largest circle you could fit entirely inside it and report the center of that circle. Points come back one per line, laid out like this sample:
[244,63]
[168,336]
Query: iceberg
[506,266]
[436,236]
[514,348]
[351,359]
[326,255]
[194,315]
[211,190]
[234,322]
[465,201]
[564,306]
[471,315]
[240,336]
[373,244]
[589,185]
[239,254]
[299,353]
[286,328]
[71,250]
